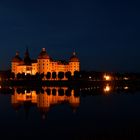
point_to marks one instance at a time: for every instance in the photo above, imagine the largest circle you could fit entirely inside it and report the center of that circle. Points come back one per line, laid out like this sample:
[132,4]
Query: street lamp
[107,77]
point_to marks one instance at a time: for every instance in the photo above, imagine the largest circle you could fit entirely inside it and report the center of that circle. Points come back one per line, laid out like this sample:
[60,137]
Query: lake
[100,113]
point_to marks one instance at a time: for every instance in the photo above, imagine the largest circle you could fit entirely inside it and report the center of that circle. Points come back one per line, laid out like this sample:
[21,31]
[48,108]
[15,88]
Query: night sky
[104,33]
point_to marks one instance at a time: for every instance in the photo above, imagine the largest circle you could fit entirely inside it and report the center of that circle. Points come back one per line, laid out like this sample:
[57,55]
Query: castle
[43,64]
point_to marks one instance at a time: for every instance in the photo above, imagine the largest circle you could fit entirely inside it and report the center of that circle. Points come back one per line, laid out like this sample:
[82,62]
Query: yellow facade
[43,64]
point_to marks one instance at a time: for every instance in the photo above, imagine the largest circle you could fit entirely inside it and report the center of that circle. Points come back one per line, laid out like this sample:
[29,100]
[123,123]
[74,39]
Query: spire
[44,49]
[74,53]
[27,52]
[27,59]
[74,58]
[17,53]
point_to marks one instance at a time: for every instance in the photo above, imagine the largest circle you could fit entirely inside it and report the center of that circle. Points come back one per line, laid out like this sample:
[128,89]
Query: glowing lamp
[107,88]
[107,77]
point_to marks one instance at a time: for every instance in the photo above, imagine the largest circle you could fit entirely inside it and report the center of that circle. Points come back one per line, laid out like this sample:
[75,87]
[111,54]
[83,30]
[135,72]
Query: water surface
[63,113]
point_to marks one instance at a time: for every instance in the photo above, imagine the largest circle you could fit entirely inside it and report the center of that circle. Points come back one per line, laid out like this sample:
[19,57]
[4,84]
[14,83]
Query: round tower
[15,62]
[74,63]
[43,62]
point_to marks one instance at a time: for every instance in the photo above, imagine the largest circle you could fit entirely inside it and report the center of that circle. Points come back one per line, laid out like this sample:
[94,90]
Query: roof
[62,62]
[27,59]
[34,61]
[16,58]
[74,58]
[43,54]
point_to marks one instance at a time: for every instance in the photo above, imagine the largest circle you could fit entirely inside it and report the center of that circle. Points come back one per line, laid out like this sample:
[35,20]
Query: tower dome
[16,58]
[74,58]
[43,54]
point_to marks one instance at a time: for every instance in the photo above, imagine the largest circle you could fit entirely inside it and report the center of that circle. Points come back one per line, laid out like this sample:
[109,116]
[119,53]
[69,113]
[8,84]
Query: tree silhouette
[12,75]
[68,75]
[37,76]
[53,75]
[41,76]
[23,76]
[76,75]
[8,75]
[19,76]
[54,92]
[48,75]
[61,92]
[61,75]
[28,76]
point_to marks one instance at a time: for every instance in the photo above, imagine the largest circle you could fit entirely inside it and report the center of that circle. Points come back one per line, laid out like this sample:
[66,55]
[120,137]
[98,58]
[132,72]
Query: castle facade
[43,64]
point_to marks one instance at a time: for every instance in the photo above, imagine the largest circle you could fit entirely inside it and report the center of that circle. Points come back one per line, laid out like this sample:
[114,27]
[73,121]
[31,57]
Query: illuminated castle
[44,64]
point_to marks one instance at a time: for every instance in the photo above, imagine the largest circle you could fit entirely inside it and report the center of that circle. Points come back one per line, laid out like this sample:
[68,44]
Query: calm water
[63,113]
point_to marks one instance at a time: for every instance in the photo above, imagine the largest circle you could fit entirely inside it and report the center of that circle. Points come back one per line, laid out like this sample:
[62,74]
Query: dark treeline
[79,91]
[8,75]
[82,75]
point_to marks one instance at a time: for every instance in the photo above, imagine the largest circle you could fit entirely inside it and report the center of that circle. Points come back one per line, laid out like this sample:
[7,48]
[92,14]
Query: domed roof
[43,54]
[74,58]
[16,58]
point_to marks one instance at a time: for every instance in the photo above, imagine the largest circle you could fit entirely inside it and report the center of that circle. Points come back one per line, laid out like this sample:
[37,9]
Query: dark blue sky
[104,33]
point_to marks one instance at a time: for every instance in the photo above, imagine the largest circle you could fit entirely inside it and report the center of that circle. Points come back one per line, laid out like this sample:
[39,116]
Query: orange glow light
[107,88]
[107,77]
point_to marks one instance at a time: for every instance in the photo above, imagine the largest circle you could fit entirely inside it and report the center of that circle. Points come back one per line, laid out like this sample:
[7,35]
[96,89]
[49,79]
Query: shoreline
[69,83]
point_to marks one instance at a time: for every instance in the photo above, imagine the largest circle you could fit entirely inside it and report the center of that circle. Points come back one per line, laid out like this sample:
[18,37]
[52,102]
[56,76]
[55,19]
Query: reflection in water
[99,117]
[126,87]
[45,99]
[107,88]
